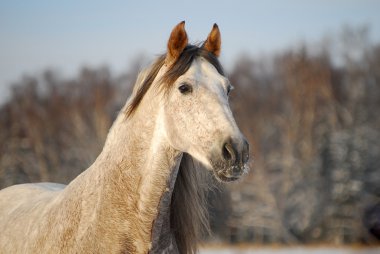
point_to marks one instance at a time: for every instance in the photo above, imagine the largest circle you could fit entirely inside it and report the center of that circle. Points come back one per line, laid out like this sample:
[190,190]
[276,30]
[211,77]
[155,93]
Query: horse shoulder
[21,206]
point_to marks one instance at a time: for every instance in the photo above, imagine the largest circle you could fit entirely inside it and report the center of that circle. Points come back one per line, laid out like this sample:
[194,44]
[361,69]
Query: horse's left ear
[214,41]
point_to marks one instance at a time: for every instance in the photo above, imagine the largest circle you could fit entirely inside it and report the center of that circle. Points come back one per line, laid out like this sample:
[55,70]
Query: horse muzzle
[233,160]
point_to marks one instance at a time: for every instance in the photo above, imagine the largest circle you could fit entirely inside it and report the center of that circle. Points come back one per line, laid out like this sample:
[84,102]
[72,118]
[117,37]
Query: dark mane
[177,69]
[189,218]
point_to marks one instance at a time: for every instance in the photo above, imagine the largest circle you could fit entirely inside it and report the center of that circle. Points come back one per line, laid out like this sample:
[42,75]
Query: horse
[146,191]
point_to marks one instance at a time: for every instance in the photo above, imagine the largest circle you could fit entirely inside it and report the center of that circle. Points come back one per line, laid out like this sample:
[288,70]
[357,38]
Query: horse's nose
[245,153]
[229,152]
[236,152]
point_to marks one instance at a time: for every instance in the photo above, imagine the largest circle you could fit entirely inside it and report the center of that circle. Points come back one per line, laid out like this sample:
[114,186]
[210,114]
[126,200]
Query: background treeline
[311,114]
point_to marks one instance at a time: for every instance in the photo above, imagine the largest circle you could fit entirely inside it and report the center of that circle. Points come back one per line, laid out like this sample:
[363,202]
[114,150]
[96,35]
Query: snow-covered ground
[291,250]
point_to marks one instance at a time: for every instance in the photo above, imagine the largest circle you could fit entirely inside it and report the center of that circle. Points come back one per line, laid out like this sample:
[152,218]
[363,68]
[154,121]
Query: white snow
[291,250]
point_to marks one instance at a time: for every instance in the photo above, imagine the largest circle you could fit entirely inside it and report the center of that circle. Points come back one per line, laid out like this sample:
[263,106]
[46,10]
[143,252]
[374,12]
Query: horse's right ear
[177,43]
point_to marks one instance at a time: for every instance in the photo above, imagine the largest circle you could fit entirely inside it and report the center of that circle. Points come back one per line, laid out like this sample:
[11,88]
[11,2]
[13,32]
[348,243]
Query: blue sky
[65,35]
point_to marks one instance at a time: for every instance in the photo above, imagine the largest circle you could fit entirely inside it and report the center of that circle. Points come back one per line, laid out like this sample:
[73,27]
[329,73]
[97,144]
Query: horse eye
[185,88]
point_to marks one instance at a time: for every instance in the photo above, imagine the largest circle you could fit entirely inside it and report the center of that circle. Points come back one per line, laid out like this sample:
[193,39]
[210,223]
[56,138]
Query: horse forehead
[201,70]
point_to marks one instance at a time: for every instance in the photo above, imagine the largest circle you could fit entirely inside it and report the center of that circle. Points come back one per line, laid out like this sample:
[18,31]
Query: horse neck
[131,174]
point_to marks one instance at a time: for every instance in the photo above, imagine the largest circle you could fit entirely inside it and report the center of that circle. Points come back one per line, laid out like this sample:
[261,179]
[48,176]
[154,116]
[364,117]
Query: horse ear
[177,43]
[214,41]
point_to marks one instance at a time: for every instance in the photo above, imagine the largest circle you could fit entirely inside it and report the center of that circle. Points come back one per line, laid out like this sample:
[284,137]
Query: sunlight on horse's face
[199,121]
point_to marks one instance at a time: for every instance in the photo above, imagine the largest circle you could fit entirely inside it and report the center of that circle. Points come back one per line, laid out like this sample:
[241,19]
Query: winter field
[290,250]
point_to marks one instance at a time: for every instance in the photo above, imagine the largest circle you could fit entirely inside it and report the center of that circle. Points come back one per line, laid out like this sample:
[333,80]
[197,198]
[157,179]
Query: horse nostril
[228,152]
[245,152]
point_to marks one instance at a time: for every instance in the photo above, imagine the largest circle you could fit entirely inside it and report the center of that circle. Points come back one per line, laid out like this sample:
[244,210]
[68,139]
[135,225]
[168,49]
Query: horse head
[197,116]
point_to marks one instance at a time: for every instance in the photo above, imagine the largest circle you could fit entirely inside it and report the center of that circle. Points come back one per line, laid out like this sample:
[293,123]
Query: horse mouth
[225,178]
[231,173]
